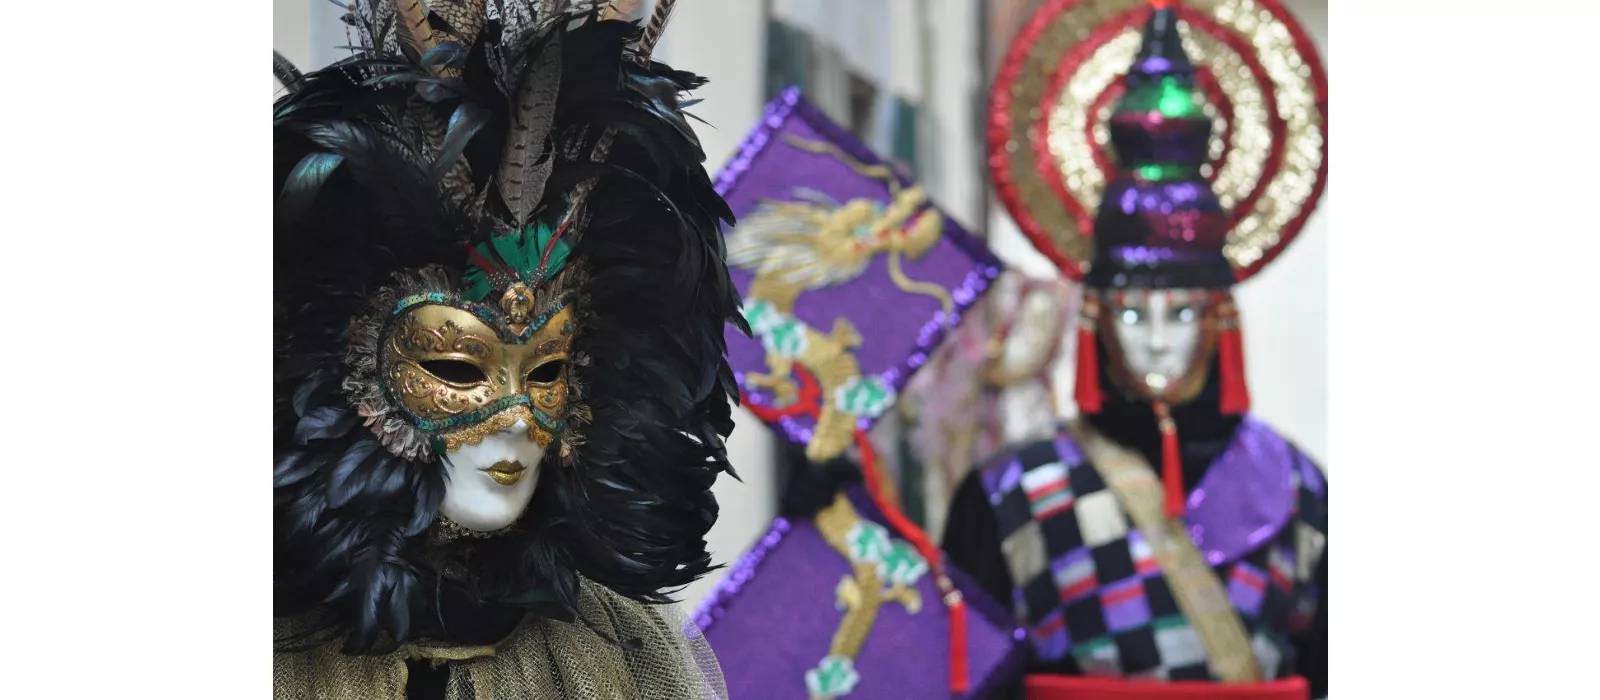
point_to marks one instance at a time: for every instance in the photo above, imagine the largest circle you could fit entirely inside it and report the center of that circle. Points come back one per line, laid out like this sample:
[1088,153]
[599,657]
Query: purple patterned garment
[1089,586]
[772,619]
[850,274]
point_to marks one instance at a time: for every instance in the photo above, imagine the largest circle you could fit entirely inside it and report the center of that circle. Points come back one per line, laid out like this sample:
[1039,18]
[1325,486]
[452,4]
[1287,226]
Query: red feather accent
[489,266]
[544,257]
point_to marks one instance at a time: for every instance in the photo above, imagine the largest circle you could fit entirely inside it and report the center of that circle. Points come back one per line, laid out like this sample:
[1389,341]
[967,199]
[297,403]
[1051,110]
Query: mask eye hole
[455,371]
[546,373]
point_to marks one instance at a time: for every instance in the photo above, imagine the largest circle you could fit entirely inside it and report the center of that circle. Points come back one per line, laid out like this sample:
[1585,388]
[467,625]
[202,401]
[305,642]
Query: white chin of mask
[490,484]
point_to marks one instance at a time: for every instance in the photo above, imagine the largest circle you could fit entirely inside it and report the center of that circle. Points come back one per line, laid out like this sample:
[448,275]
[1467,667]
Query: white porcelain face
[490,484]
[1158,331]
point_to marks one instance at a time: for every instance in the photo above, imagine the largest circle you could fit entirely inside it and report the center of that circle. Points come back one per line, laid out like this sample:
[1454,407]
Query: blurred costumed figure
[850,277]
[500,388]
[1167,540]
[989,385]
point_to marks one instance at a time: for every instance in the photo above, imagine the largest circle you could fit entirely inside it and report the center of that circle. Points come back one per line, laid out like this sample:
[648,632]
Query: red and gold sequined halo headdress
[1261,83]
[1205,156]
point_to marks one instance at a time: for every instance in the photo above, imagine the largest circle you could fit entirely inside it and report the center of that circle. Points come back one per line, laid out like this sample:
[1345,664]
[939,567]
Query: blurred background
[910,78]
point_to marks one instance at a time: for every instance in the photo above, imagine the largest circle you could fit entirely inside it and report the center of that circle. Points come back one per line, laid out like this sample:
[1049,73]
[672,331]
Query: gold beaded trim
[475,433]
[447,530]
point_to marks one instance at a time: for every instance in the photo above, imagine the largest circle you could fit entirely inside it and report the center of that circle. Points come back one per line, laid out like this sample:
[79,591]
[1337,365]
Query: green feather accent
[478,286]
[519,253]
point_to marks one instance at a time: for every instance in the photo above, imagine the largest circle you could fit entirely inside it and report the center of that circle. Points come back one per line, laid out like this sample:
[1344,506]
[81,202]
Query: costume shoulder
[1313,488]
[616,648]
[1311,514]
[1310,483]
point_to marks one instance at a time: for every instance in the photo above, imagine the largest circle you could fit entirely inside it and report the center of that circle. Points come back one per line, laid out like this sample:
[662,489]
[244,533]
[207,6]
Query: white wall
[958,179]
[307,31]
[1285,310]
[291,32]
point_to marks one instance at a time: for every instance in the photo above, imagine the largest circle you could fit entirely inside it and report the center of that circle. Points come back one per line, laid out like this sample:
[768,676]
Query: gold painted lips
[506,473]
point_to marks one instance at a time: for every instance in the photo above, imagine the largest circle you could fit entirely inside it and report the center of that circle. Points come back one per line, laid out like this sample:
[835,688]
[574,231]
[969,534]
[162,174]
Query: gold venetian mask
[461,378]
[443,359]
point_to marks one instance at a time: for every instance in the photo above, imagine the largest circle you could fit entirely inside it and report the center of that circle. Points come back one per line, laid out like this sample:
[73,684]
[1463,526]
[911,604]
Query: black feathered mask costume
[490,220]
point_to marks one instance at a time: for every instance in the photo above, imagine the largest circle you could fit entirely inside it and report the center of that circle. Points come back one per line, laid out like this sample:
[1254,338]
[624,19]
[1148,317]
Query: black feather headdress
[452,128]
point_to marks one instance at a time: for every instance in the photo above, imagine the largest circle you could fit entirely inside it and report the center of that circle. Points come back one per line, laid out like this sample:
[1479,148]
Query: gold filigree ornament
[457,375]
[368,382]
[1263,86]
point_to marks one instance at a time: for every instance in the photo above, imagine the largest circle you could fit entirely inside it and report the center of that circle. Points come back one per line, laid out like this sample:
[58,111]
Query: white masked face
[1158,332]
[490,484]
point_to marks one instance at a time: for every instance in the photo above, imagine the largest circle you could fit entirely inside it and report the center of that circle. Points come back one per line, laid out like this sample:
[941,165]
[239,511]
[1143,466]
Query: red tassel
[957,607]
[1230,355]
[958,644]
[1086,390]
[1171,464]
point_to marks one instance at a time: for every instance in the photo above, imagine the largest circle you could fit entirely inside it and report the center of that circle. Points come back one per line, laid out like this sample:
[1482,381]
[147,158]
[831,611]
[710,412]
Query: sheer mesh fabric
[618,649]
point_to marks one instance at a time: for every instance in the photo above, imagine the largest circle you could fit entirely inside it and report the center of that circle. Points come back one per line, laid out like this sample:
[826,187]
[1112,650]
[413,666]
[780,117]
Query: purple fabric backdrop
[772,618]
[899,330]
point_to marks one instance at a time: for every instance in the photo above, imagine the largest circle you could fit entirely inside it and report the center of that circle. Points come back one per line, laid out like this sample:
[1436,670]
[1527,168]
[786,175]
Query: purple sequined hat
[1159,225]
[850,276]
[839,607]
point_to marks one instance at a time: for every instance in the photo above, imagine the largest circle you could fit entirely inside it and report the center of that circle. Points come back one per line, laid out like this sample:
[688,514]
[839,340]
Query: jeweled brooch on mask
[517,305]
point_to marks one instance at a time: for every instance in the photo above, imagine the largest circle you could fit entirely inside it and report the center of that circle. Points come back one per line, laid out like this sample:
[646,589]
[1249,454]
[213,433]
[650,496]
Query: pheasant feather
[527,161]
